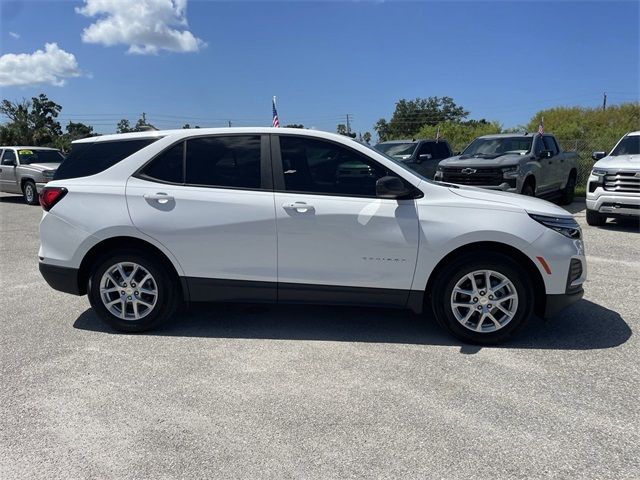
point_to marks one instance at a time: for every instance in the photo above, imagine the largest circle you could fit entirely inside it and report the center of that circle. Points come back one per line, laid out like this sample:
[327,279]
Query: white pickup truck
[613,188]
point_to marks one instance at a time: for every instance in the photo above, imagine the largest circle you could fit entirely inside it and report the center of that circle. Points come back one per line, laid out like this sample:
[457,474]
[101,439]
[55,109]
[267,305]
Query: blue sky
[501,60]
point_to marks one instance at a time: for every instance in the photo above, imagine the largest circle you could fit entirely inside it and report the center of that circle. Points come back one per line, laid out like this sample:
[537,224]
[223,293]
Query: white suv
[143,221]
[613,188]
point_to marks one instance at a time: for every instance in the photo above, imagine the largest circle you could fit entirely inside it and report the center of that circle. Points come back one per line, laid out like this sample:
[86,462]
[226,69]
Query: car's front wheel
[30,193]
[482,297]
[595,219]
[132,291]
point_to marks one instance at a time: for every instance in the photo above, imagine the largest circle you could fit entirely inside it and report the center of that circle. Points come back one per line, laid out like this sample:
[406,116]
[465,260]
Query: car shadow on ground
[629,225]
[12,199]
[583,326]
[575,207]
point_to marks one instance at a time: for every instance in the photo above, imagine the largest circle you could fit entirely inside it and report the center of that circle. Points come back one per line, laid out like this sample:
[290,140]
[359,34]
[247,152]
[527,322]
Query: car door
[337,242]
[545,173]
[8,167]
[209,200]
[556,163]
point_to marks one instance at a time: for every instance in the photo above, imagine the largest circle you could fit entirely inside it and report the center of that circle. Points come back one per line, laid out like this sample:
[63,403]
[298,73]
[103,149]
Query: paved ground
[294,392]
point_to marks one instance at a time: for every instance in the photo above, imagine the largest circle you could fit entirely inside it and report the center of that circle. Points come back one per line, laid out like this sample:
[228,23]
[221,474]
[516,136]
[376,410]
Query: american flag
[541,126]
[276,122]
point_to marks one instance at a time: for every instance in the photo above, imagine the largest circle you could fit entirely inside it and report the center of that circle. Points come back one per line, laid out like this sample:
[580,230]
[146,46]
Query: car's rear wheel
[132,291]
[595,219]
[483,297]
[30,193]
[569,191]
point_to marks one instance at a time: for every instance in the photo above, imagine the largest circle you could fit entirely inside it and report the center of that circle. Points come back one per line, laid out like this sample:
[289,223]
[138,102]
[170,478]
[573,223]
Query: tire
[142,311]
[528,190]
[595,219]
[30,193]
[569,191]
[457,274]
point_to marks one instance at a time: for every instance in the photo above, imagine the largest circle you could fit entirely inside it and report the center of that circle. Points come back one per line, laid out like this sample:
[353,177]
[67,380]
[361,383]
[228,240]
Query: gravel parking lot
[239,391]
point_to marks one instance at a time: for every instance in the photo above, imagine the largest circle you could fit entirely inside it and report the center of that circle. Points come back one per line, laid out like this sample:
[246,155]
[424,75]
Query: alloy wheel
[128,291]
[484,301]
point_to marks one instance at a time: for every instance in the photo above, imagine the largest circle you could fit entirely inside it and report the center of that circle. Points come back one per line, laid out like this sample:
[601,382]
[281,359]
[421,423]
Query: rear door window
[551,145]
[224,161]
[94,157]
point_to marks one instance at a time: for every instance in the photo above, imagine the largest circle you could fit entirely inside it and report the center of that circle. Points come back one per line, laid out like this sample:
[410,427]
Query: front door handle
[300,207]
[159,197]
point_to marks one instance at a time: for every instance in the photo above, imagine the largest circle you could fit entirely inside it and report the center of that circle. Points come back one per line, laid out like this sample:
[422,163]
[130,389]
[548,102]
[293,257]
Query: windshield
[494,147]
[629,145]
[397,150]
[30,156]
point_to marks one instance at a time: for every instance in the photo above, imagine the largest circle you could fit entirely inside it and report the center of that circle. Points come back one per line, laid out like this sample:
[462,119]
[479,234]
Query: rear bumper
[63,279]
[555,303]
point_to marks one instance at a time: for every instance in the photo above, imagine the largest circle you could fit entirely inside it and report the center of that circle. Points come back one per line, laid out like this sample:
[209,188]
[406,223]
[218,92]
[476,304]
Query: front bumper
[612,203]
[63,279]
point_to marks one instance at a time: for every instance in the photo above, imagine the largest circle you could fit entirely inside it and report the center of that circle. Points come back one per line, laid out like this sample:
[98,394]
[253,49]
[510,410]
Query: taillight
[49,196]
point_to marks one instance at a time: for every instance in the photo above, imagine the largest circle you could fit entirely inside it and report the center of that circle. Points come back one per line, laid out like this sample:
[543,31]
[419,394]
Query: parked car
[613,188]
[143,221]
[529,164]
[25,170]
[423,156]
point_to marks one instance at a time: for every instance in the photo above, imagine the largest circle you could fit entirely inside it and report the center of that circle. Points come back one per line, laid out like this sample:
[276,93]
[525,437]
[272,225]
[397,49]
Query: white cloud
[51,65]
[146,26]
[14,35]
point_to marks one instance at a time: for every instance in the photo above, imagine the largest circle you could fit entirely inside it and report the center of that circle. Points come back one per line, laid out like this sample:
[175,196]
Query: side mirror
[598,155]
[9,163]
[545,154]
[391,187]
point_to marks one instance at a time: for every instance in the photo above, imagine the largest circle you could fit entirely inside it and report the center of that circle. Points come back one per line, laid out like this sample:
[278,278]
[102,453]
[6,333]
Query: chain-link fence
[584,147]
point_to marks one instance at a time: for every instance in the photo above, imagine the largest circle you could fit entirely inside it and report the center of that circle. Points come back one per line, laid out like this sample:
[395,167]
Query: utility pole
[604,101]
[229,123]
[348,123]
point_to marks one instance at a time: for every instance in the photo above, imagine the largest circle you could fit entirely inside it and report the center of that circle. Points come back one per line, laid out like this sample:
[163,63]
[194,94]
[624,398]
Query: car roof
[633,134]
[26,147]
[191,132]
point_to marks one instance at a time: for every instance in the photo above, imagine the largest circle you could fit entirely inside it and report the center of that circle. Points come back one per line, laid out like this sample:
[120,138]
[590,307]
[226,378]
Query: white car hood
[622,162]
[510,201]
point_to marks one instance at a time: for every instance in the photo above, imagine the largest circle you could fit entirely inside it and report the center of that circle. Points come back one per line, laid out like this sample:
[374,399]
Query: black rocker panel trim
[221,290]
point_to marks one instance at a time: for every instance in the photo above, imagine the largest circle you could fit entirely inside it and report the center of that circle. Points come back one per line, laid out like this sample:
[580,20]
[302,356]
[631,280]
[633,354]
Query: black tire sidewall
[167,291]
[30,185]
[595,219]
[528,190]
[486,261]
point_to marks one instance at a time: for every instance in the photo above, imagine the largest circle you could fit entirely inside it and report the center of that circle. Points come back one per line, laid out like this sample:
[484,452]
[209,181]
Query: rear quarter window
[94,157]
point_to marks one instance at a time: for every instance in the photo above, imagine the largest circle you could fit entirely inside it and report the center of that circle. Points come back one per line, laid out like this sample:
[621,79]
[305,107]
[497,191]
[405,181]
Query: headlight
[567,226]
[48,174]
[598,172]
[510,172]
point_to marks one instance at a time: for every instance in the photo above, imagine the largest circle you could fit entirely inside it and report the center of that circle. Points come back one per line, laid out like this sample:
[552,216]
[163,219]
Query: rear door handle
[159,197]
[300,207]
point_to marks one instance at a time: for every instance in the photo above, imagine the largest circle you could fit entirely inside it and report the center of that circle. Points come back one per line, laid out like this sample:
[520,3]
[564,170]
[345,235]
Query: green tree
[76,131]
[31,122]
[460,134]
[366,137]
[123,126]
[411,115]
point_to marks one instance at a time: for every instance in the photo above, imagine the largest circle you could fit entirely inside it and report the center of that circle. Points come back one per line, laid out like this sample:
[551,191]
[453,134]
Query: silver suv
[25,170]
